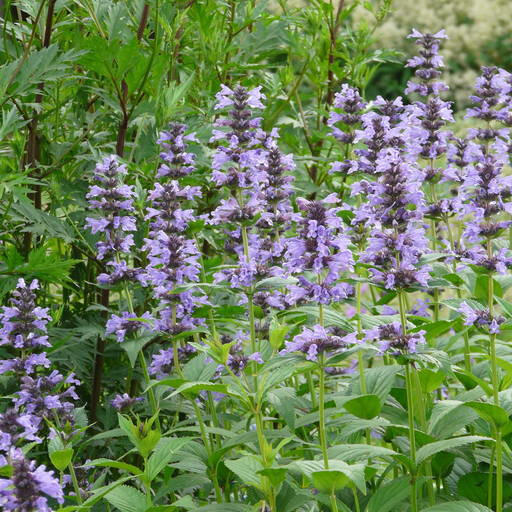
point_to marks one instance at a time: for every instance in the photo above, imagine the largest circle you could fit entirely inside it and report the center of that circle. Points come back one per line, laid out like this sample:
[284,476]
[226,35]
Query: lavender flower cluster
[407,175]
[43,395]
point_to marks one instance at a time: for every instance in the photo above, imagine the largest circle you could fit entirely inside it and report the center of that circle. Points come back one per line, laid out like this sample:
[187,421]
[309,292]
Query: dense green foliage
[358,430]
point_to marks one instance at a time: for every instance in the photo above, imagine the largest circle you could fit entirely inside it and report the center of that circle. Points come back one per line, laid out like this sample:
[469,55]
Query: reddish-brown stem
[143,21]
[32,148]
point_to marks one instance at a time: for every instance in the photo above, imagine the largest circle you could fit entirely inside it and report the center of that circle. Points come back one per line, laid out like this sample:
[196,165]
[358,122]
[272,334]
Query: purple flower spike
[319,340]
[29,486]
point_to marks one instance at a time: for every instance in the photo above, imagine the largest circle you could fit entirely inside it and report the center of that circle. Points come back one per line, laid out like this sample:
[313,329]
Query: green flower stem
[412,440]
[321,412]
[356,500]
[151,393]
[321,424]
[490,494]
[202,427]
[495,391]
[254,366]
[410,412]
[142,360]
[311,386]
[71,468]
[147,487]
[76,487]
[360,359]
[467,348]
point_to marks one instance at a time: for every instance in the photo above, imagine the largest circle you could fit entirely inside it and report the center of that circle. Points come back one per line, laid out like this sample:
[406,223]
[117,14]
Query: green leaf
[247,469]
[6,471]
[482,288]
[430,380]
[61,458]
[193,388]
[133,347]
[366,406]
[379,381]
[283,399]
[430,449]
[40,222]
[197,369]
[448,417]
[98,494]
[275,475]
[127,499]
[458,506]
[358,452]
[330,480]
[277,333]
[388,496]
[107,463]
[490,412]
[354,472]
[225,507]
[506,306]
[164,451]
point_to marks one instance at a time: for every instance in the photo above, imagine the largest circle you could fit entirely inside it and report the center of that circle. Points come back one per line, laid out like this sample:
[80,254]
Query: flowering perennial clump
[265,341]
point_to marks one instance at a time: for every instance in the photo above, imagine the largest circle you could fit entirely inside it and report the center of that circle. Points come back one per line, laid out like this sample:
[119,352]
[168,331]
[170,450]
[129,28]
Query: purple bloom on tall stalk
[481,318]
[428,64]
[48,395]
[29,486]
[15,427]
[127,323]
[173,257]
[114,202]
[319,340]
[351,105]
[23,324]
[321,251]
[163,362]
[251,166]
[391,339]
[486,188]
[125,401]
[394,215]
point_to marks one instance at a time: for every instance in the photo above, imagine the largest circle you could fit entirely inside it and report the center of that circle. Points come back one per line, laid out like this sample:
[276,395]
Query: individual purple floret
[391,339]
[15,426]
[125,401]
[481,318]
[29,486]
[319,340]
[126,324]
[163,362]
[238,360]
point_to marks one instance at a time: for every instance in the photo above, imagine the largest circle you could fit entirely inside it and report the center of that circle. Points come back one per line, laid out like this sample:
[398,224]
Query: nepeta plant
[325,330]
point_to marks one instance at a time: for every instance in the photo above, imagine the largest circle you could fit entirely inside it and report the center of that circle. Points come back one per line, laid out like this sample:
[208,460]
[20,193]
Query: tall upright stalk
[410,412]
[321,411]
[143,363]
[495,390]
